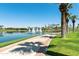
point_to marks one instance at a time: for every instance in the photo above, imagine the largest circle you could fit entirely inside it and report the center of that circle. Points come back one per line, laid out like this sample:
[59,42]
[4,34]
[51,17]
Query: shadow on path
[30,47]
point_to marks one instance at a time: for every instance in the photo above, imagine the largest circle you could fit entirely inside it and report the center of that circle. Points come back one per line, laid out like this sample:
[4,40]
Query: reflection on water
[16,32]
[9,32]
[4,33]
[8,36]
[1,34]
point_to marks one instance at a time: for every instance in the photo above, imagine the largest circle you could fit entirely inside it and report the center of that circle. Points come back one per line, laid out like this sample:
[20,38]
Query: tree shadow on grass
[52,53]
[51,46]
[57,37]
[30,47]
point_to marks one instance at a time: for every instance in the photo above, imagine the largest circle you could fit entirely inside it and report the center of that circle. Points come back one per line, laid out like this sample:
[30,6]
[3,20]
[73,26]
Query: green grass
[64,47]
[13,41]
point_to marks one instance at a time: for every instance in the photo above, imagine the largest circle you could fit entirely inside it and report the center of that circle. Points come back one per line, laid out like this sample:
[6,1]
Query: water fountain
[33,30]
[29,30]
[40,29]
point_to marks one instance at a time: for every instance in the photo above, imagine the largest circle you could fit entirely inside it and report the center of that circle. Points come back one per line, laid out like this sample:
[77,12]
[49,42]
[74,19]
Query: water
[5,37]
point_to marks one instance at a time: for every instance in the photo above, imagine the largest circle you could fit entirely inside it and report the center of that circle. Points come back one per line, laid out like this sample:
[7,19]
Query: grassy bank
[13,41]
[64,47]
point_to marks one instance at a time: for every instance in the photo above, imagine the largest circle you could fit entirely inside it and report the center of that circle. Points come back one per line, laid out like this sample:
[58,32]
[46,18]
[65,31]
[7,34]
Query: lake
[4,37]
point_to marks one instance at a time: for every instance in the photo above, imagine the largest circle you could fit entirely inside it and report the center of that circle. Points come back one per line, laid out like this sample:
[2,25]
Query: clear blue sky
[23,15]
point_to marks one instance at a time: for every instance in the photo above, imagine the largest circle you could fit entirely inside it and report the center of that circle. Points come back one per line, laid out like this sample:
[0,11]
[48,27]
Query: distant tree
[73,19]
[39,29]
[43,29]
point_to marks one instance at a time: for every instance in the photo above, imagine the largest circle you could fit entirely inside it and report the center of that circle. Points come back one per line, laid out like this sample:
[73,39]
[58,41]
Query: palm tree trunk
[63,24]
[73,26]
[67,30]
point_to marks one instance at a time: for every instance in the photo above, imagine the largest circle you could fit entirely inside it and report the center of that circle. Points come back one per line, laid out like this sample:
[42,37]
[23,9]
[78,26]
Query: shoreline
[14,43]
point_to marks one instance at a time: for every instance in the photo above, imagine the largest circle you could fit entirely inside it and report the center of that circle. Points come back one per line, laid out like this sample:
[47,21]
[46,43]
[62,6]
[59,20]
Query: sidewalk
[35,46]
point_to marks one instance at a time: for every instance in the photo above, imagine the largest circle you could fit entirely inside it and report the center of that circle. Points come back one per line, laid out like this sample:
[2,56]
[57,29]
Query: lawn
[68,46]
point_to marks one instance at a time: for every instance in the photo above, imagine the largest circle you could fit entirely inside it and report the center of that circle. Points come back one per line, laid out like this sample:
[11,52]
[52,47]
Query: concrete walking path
[35,46]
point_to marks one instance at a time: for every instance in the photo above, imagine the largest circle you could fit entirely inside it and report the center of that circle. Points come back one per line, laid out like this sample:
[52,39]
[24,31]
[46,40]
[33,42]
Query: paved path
[35,46]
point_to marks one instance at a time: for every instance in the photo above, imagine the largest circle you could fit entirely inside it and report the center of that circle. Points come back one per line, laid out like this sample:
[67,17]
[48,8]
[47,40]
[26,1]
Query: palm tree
[73,19]
[67,21]
[69,6]
[64,8]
